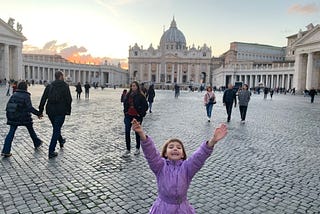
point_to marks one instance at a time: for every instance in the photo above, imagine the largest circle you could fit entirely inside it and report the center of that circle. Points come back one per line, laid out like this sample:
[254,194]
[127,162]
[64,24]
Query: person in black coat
[19,109]
[265,92]
[58,98]
[229,96]
[78,90]
[150,97]
[134,107]
[86,89]
[312,93]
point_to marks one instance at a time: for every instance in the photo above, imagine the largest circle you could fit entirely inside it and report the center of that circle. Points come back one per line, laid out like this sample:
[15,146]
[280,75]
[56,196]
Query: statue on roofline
[19,27]
[11,22]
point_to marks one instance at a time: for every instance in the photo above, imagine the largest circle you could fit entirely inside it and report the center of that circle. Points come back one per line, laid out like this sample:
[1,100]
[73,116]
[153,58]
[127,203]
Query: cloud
[303,9]
[73,53]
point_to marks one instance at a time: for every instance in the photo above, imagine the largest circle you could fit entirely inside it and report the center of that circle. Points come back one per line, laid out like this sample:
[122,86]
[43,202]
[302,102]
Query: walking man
[228,97]
[58,98]
[86,90]
[312,93]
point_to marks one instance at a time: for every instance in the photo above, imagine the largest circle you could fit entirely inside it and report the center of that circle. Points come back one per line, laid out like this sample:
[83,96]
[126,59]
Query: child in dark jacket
[19,109]
[173,170]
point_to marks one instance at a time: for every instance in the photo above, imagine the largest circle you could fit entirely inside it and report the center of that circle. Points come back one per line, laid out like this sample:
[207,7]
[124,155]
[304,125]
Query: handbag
[211,100]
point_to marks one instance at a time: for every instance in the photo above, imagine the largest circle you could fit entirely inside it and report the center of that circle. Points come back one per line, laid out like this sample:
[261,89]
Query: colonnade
[266,80]
[10,61]
[307,71]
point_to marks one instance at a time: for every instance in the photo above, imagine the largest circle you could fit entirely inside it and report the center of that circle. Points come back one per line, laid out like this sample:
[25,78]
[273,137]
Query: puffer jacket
[63,105]
[139,102]
[22,98]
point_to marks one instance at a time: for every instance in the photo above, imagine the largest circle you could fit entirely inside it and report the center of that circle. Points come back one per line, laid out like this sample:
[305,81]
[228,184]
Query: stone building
[255,65]
[173,61]
[305,48]
[11,39]
[42,67]
[295,66]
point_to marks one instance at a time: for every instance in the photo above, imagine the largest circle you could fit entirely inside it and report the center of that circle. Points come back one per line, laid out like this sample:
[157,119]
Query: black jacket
[150,95]
[139,102]
[312,92]
[63,104]
[22,98]
[229,96]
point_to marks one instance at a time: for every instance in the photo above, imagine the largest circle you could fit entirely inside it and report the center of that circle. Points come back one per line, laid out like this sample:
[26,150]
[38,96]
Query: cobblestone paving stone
[271,164]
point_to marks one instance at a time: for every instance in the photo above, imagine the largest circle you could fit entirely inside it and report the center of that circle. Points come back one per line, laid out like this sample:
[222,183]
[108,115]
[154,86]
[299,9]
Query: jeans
[57,122]
[8,141]
[243,112]
[87,94]
[78,95]
[229,109]
[127,122]
[150,106]
[312,99]
[209,109]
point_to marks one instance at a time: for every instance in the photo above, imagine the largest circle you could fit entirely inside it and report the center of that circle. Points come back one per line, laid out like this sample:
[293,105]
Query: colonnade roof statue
[7,29]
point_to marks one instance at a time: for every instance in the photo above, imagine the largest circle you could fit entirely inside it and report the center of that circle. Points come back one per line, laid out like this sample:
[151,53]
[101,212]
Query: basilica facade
[172,62]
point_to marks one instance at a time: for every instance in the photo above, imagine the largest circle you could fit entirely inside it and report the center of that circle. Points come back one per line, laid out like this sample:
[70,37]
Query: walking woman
[150,96]
[209,101]
[134,107]
[78,90]
[19,109]
[244,98]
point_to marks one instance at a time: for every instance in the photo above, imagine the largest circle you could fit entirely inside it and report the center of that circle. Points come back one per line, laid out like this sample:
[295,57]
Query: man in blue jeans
[58,98]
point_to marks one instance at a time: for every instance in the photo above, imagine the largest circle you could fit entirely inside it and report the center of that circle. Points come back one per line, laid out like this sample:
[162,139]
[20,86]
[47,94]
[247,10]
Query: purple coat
[173,178]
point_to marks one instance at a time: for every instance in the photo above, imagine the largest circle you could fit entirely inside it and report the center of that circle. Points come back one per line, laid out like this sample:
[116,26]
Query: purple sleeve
[197,159]
[155,161]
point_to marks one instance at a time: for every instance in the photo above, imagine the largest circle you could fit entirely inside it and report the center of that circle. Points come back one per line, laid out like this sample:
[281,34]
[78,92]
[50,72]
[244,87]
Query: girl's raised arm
[152,155]
[198,158]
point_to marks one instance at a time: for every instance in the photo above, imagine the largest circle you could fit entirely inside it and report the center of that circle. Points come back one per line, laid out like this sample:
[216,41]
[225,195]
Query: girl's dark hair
[22,85]
[209,87]
[246,85]
[165,146]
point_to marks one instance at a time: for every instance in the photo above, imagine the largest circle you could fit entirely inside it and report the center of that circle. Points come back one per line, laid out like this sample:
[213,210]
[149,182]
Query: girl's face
[174,151]
[134,87]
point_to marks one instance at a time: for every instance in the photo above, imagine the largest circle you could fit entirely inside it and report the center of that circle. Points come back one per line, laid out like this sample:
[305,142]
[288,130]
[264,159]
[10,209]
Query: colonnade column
[309,71]
[19,63]
[6,62]
[298,69]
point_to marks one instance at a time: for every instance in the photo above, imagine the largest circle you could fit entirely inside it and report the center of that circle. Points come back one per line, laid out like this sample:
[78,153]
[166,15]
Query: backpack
[53,96]
[13,109]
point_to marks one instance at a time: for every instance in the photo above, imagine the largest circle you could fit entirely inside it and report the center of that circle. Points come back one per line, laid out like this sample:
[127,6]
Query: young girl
[209,100]
[244,98]
[173,170]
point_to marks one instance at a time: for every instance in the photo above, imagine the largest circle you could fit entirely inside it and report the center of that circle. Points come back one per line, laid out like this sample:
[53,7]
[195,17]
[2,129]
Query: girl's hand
[138,128]
[219,133]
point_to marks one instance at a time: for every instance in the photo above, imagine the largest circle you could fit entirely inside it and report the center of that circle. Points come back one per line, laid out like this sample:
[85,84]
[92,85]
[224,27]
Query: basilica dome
[173,36]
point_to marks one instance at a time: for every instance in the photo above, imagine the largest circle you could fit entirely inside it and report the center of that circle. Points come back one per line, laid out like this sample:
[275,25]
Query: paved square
[271,164]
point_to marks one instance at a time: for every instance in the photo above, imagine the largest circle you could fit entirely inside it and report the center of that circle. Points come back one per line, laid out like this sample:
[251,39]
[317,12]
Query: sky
[106,28]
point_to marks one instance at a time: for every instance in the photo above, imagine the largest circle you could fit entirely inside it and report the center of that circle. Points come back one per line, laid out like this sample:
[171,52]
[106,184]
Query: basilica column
[309,71]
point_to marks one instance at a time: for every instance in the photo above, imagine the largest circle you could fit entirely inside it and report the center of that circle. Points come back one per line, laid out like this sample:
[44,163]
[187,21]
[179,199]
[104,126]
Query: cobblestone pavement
[271,164]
